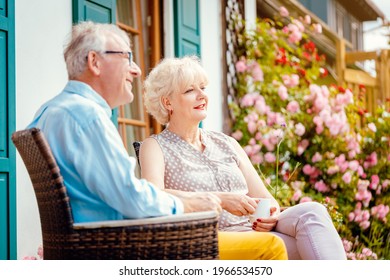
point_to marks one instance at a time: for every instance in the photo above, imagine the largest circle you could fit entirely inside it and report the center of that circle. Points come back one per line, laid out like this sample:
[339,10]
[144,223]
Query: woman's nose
[135,70]
[202,93]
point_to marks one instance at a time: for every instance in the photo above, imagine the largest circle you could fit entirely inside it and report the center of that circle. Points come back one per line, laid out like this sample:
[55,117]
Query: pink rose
[257,73]
[270,157]
[290,81]
[293,106]
[283,11]
[371,160]
[380,211]
[308,169]
[256,158]
[347,177]
[268,144]
[295,37]
[241,66]
[248,99]
[354,165]
[347,245]
[302,146]
[321,186]
[307,19]
[317,28]
[297,195]
[282,91]
[252,127]
[385,183]
[374,181]
[237,135]
[364,224]
[305,199]
[317,157]
[299,129]
[333,169]
[248,150]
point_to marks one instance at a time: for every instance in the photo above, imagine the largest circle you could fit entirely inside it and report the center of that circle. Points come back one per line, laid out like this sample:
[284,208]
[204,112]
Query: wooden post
[340,61]
[386,78]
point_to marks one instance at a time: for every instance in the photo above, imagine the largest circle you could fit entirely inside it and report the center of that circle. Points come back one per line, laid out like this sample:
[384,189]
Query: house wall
[41,27]
[212,60]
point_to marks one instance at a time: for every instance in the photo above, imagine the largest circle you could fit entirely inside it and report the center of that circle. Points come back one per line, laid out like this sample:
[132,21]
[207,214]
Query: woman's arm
[152,162]
[153,168]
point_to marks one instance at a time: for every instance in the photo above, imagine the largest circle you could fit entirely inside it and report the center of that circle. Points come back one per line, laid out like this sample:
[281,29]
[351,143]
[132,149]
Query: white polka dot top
[213,170]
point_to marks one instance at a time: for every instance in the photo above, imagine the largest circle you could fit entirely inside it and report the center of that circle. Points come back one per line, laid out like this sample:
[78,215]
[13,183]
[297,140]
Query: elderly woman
[188,158]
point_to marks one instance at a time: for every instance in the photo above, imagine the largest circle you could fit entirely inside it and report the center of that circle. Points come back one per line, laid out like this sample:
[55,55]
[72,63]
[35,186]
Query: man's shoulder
[74,104]
[68,107]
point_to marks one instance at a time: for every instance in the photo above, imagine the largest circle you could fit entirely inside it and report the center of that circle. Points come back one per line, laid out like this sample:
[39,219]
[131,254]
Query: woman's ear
[93,63]
[167,103]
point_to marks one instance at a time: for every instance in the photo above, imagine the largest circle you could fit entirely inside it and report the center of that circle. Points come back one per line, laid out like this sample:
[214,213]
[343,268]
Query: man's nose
[135,70]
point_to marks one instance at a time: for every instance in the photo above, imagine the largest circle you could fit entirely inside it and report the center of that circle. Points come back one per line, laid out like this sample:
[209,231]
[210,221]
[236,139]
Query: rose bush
[344,152]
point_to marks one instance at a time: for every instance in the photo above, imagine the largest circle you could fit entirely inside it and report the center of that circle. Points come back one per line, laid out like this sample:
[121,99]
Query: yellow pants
[251,245]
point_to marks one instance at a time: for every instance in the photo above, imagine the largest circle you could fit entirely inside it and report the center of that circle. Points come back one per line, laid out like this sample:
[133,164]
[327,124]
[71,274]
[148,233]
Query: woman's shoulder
[216,135]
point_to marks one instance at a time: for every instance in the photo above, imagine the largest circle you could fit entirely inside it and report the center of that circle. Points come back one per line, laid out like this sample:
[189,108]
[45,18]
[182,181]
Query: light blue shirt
[97,171]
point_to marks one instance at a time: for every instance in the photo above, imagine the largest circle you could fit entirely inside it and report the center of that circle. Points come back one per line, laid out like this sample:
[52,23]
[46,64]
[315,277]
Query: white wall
[211,50]
[41,30]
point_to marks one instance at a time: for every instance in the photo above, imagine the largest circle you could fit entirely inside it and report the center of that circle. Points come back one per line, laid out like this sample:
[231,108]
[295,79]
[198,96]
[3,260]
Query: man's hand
[198,201]
[237,204]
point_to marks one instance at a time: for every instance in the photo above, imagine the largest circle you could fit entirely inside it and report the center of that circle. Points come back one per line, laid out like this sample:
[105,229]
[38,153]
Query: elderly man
[97,170]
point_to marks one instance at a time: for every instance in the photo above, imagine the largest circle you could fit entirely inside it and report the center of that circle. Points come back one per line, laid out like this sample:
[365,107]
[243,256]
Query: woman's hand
[237,204]
[267,224]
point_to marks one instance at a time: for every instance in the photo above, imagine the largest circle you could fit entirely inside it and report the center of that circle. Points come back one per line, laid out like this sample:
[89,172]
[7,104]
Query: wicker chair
[187,236]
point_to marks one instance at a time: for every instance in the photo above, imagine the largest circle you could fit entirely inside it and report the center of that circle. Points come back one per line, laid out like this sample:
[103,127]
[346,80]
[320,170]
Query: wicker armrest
[148,221]
[184,236]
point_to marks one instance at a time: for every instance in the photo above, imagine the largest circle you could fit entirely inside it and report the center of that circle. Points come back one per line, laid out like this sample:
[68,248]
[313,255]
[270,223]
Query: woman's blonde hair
[171,75]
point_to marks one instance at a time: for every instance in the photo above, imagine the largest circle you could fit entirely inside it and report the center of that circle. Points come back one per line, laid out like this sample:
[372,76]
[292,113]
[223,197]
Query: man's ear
[93,63]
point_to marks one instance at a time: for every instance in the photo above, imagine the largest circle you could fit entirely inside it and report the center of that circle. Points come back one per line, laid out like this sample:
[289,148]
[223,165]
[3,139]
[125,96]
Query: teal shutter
[7,126]
[187,27]
[103,11]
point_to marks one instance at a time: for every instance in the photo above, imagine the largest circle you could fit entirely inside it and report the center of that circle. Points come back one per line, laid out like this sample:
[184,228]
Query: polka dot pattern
[216,169]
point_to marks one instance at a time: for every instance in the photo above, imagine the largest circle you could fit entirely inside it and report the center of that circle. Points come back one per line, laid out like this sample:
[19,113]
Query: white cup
[263,210]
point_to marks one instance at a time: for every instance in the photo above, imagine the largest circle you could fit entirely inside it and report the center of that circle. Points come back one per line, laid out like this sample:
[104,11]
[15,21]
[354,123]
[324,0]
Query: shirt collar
[86,91]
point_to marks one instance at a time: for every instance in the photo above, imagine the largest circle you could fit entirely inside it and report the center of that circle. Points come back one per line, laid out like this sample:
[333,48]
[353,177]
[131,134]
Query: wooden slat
[131,122]
[352,57]
[359,77]
[128,28]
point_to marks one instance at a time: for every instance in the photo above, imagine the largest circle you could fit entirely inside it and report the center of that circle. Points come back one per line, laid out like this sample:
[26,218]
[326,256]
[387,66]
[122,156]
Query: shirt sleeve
[107,170]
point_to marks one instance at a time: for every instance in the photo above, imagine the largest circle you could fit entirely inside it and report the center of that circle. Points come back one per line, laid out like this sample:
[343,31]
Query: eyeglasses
[130,54]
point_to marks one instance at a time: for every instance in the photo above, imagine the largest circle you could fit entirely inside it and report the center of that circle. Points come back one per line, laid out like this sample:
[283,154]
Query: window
[348,27]
[133,122]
